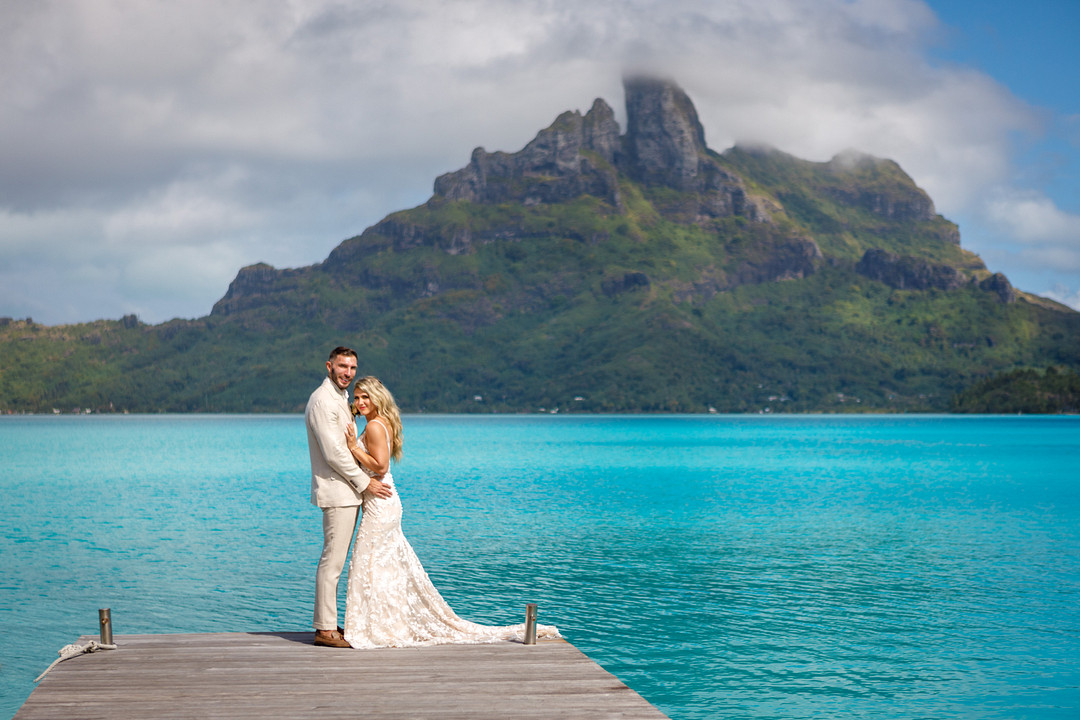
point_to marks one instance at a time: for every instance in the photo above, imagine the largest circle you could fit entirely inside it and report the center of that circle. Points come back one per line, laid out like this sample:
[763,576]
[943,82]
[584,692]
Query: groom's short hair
[341,351]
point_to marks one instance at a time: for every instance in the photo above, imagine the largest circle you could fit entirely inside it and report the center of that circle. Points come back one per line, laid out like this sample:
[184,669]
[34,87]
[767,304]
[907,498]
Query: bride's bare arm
[375,438]
[375,487]
[378,460]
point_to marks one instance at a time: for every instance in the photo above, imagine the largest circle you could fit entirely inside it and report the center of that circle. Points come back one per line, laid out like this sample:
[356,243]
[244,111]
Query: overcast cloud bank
[152,149]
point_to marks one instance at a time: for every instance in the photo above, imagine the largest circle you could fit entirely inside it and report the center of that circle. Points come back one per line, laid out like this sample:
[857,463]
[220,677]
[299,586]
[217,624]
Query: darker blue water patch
[736,567]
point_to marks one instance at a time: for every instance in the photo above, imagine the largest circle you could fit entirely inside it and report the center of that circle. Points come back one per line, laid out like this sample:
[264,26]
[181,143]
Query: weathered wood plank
[282,675]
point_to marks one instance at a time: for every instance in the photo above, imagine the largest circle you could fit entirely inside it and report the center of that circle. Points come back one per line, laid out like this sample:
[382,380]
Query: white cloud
[1042,240]
[1032,217]
[1064,295]
[153,148]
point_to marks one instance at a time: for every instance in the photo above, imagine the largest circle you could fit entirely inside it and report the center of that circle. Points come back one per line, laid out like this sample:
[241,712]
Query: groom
[337,485]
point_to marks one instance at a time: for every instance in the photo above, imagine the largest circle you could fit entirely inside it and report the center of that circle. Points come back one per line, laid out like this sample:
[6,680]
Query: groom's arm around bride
[337,486]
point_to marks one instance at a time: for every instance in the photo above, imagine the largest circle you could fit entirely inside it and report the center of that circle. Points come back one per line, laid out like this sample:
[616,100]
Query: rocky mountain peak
[600,131]
[879,186]
[254,286]
[664,138]
[664,146]
[551,168]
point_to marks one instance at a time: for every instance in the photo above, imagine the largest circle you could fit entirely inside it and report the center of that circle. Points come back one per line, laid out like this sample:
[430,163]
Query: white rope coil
[69,651]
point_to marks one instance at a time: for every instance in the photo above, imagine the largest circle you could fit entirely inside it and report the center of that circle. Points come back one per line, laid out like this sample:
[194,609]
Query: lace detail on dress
[391,602]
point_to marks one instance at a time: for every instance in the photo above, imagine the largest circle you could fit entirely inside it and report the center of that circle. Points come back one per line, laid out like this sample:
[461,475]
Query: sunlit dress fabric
[391,602]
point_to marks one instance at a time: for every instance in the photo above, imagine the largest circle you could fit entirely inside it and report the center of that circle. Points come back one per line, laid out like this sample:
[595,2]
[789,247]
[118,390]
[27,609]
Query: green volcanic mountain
[595,270]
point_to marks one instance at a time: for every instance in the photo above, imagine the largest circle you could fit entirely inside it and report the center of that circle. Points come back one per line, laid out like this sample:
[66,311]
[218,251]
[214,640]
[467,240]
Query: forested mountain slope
[594,270]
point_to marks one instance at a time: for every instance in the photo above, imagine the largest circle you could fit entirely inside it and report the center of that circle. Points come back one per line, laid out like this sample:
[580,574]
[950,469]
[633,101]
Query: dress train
[391,602]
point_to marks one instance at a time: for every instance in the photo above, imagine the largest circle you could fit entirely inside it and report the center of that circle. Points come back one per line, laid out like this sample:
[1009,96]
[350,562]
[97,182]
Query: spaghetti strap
[389,446]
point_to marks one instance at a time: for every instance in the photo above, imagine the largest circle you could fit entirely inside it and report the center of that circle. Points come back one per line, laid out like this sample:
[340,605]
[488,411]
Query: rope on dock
[69,651]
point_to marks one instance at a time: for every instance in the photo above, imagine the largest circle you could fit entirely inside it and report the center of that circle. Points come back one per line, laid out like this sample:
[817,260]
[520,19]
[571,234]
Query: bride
[391,602]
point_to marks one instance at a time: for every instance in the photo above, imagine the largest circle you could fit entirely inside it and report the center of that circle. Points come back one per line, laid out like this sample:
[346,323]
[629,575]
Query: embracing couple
[390,602]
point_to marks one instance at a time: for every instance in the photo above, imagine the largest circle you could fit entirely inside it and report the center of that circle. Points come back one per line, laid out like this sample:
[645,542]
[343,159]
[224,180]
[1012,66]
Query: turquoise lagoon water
[723,567]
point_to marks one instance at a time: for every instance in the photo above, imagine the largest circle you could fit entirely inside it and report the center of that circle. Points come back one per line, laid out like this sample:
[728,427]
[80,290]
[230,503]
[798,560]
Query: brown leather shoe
[330,638]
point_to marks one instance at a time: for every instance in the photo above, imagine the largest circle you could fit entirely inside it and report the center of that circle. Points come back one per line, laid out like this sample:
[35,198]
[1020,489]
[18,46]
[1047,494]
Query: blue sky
[151,149]
[1032,49]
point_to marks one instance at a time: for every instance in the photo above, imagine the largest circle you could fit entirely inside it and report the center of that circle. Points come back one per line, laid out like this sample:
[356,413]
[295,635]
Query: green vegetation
[854,203]
[1023,391]
[584,306]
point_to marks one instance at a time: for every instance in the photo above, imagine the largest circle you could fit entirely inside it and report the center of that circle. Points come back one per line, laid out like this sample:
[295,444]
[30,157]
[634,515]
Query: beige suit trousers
[339,526]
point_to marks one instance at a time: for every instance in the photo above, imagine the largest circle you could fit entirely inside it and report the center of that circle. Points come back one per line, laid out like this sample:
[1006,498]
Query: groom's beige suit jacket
[336,478]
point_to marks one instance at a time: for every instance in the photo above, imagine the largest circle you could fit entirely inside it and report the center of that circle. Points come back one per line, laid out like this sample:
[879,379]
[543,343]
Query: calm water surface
[723,567]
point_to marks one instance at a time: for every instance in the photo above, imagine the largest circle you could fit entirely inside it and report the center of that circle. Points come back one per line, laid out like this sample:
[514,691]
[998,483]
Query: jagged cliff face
[573,157]
[248,289]
[858,178]
[665,142]
[664,146]
[908,273]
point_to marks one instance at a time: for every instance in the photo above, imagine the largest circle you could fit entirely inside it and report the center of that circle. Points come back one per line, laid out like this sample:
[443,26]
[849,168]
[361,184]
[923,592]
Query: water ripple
[789,567]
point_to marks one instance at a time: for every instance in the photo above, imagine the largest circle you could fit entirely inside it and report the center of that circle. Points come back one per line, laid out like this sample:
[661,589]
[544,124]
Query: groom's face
[342,369]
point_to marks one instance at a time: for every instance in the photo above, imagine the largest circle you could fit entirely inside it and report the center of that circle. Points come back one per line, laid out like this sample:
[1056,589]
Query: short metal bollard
[530,624]
[105,618]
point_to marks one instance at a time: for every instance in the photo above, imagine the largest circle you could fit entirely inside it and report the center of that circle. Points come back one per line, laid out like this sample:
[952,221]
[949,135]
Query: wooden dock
[282,675]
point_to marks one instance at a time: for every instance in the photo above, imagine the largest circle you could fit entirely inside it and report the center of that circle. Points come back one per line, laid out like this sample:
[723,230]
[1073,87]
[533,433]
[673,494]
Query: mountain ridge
[600,271]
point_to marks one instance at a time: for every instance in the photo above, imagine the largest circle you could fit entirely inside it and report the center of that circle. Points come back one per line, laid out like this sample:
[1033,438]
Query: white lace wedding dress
[391,602]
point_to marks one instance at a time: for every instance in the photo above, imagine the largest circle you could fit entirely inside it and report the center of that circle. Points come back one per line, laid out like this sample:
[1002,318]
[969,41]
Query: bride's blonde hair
[386,407]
